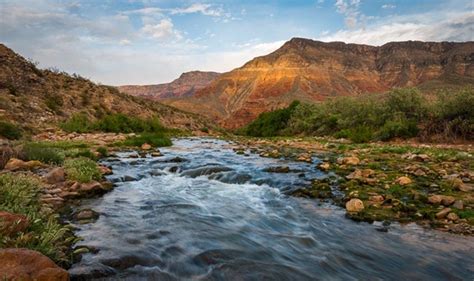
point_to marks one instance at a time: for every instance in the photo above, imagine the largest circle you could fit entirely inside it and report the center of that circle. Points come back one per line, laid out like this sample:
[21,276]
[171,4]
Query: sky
[154,41]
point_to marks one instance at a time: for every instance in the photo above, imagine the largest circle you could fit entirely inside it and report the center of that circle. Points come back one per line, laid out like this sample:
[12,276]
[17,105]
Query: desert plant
[9,130]
[54,102]
[154,139]
[42,152]
[77,123]
[82,169]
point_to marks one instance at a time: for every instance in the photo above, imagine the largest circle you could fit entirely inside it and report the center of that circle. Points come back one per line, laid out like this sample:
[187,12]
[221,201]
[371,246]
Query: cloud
[205,9]
[162,30]
[388,6]
[424,27]
[125,42]
[350,10]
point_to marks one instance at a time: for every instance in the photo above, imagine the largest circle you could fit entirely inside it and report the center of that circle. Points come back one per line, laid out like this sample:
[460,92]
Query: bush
[401,129]
[154,139]
[82,170]
[20,194]
[10,131]
[43,152]
[77,123]
[270,123]
[103,151]
[360,134]
[54,102]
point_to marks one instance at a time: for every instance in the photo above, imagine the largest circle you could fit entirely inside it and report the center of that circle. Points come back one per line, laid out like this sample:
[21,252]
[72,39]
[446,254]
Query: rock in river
[354,205]
[11,224]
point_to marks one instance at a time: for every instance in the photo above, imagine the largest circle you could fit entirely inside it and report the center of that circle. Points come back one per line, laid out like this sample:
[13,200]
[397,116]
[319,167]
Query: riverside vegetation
[41,179]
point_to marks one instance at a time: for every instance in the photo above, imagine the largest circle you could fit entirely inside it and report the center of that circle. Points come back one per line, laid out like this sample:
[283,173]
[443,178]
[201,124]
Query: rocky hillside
[185,86]
[38,99]
[308,70]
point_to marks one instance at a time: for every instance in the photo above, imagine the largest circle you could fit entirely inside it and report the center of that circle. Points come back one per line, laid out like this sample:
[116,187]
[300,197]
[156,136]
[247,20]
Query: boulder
[86,215]
[6,153]
[354,205]
[11,224]
[441,199]
[156,154]
[376,198]
[146,146]
[304,157]
[278,169]
[56,175]
[443,213]
[15,164]
[25,264]
[452,216]
[403,181]
[458,204]
[351,160]
[324,166]
[104,170]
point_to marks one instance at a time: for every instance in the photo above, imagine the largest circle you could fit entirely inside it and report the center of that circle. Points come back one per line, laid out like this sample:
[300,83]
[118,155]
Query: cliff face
[308,70]
[185,86]
[37,99]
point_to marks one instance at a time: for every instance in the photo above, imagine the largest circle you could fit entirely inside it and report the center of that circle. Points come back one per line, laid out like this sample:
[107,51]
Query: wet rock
[351,160]
[304,158]
[176,160]
[24,264]
[11,224]
[354,205]
[324,166]
[18,165]
[279,169]
[127,178]
[145,146]
[104,170]
[90,272]
[92,188]
[129,261]
[56,175]
[452,216]
[458,204]
[86,215]
[443,213]
[403,181]
[156,154]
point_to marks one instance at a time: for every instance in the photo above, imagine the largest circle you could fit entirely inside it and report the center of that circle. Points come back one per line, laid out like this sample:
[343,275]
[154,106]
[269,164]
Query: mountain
[185,86]
[312,71]
[39,99]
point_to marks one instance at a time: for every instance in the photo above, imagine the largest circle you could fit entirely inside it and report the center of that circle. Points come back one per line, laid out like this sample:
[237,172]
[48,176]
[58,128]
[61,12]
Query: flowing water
[202,212]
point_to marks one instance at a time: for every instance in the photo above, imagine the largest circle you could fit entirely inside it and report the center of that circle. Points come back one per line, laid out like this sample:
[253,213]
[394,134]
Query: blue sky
[153,41]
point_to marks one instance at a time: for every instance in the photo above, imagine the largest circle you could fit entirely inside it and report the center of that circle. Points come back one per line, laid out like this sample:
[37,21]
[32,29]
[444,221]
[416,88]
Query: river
[203,212]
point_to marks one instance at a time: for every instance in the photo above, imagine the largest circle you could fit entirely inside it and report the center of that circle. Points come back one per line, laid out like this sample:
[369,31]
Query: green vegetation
[153,139]
[82,170]
[20,194]
[43,153]
[9,130]
[402,113]
[55,152]
[114,123]
[270,123]
[54,102]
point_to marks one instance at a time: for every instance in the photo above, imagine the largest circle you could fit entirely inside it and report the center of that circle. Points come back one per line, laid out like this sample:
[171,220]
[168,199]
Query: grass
[153,139]
[43,152]
[10,131]
[82,170]
[20,194]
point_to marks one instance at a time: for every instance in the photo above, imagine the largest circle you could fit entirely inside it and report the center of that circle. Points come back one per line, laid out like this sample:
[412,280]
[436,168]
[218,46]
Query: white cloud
[205,9]
[388,6]
[423,27]
[350,10]
[124,42]
[162,30]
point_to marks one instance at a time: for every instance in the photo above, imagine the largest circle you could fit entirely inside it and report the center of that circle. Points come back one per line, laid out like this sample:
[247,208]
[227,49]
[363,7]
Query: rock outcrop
[313,71]
[185,86]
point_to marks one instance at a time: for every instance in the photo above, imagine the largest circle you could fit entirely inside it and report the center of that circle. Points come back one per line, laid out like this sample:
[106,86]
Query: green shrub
[270,123]
[401,129]
[205,130]
[360,134]
[10,131]
[103,151]
[121,123]
[82,170]
[54,102]
[43,152]
[77,123]
[20,194]
[154,139]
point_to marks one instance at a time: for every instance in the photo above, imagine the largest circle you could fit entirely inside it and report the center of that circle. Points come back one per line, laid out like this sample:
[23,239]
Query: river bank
[41,181]
[432,185]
